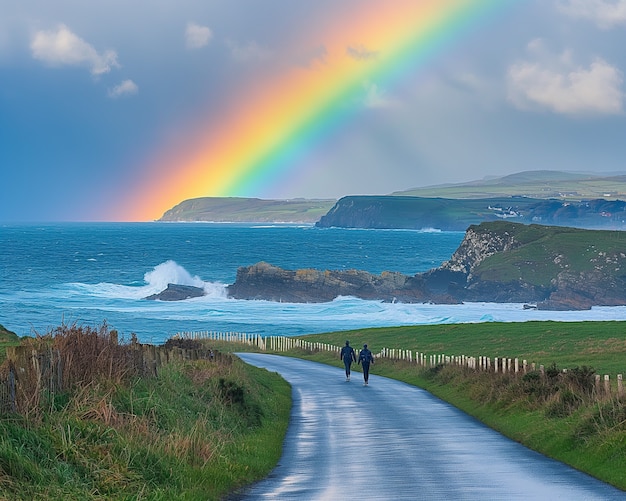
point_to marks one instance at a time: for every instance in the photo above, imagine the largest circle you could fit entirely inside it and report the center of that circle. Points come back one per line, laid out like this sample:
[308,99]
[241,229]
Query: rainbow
[256,142]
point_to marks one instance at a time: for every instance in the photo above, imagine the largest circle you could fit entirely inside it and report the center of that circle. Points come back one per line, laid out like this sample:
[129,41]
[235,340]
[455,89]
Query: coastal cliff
[238,210]
[555,267]
[458,214]
[546,266]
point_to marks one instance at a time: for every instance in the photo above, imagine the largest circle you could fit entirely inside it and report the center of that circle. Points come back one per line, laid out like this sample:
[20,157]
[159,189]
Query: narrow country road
[392,441]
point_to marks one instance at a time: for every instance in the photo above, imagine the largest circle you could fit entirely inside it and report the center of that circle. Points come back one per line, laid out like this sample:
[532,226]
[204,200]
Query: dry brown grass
[75,359]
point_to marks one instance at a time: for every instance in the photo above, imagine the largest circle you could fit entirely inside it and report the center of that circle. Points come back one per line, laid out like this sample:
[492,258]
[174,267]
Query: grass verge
[199,430]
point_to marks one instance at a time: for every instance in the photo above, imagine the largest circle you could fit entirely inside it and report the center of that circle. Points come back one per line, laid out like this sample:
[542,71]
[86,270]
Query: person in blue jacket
[348,356]
[365,359]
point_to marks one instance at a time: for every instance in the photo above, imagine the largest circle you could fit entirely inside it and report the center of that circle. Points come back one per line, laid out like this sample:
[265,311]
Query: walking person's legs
[366,372]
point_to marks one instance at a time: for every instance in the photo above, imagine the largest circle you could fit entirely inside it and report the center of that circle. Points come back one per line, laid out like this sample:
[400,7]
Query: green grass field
[601,345]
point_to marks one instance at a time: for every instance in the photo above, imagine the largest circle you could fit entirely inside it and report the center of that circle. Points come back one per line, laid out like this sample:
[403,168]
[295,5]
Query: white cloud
[375,97]
[61,47]
[361,53]
[197,36]
[251,52]
[605,13]
[126,88]
[560,85]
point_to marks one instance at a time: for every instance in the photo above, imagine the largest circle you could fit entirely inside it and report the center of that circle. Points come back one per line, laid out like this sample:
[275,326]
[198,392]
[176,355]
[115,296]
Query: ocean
[89,274]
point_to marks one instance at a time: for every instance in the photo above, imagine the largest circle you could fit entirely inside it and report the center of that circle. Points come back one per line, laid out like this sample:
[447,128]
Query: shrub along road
[390,440]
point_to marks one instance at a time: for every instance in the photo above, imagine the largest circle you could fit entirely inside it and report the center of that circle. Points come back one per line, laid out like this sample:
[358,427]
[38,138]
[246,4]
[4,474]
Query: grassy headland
[246,210]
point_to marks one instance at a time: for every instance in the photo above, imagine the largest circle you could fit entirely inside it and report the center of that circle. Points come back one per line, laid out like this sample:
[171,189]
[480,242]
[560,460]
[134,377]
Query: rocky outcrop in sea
[268,282]
[177,292]
[496,262]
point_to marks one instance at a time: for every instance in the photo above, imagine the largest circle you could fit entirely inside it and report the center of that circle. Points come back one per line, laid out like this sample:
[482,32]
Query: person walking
[365,359]
[348,356]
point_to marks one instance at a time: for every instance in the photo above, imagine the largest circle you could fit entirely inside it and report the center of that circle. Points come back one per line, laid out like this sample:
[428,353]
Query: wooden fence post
[12,389]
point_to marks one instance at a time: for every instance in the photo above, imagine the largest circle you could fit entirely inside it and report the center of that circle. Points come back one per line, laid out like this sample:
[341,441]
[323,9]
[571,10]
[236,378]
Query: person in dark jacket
[365,359]
[348,356]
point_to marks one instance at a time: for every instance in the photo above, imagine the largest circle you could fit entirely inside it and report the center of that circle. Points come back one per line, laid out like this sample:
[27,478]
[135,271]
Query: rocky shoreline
[547,268]
[475,272]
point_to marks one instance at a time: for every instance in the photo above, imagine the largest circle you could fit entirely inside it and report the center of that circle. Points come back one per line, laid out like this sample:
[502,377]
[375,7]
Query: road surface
[392,441]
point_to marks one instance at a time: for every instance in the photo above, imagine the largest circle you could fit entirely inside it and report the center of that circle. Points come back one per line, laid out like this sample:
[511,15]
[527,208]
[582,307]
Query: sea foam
[170,272]
[155,281]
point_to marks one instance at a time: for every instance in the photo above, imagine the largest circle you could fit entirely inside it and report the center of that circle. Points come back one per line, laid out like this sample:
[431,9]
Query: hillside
[541,184]
[248,210]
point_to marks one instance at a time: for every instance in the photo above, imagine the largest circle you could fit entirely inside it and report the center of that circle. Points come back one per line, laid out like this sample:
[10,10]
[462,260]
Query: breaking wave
[155,281]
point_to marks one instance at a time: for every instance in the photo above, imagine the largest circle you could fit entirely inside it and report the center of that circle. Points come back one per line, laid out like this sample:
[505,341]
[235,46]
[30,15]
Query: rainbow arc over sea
[259,139]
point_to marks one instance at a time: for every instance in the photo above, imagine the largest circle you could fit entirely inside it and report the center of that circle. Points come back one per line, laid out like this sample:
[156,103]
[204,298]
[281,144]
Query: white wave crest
[170,272]
[156,281]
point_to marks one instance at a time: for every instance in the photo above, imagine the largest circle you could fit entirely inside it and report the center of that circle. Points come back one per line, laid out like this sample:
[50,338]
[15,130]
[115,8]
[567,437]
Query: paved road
[392,441]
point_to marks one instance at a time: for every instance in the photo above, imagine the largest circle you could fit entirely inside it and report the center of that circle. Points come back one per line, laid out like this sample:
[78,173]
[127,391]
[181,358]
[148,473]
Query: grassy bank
[557,415]
[202,429]
[199,430]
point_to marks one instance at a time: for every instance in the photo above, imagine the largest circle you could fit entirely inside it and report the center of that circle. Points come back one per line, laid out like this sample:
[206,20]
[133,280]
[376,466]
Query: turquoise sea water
[89,273]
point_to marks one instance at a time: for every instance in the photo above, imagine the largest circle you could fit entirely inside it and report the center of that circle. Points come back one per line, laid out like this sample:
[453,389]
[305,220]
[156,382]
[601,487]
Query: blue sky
[90,92]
